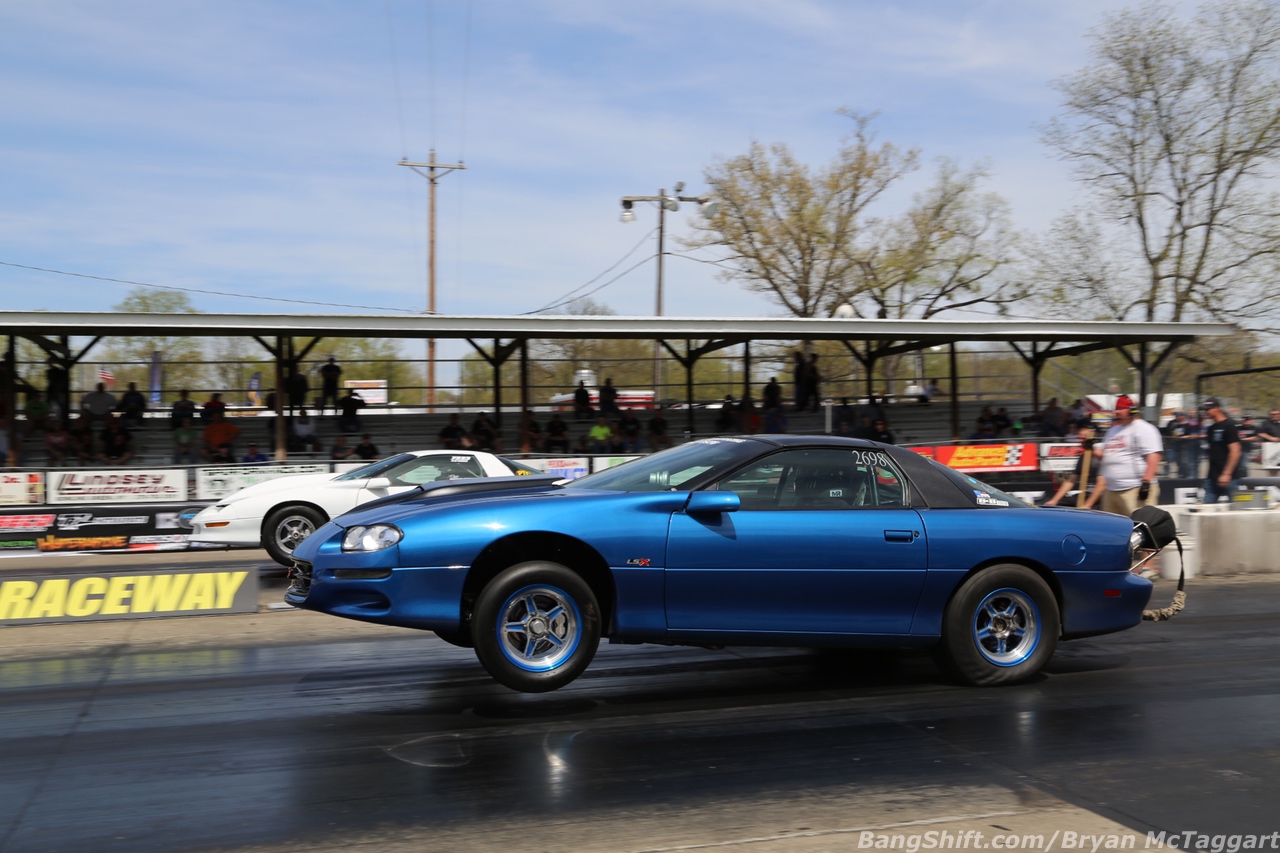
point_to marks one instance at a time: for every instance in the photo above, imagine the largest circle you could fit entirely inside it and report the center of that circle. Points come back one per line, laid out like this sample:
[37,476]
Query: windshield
[679,468]
[374,469]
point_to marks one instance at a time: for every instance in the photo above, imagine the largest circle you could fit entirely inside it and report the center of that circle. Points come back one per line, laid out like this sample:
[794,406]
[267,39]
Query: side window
[827,478]
[428,469]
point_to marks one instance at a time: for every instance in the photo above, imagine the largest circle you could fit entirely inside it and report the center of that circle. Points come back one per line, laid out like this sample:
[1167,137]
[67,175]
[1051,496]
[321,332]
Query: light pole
[665,201]
[434,171]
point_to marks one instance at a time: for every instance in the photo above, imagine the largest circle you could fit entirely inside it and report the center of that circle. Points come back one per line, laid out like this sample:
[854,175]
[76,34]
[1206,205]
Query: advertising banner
[1270,454]
[1060,458]
[103,527]
[599,463]
[117,486]
[103,596]
[21,488]
[372,391]
[218,482]
[565,468]
[979,458]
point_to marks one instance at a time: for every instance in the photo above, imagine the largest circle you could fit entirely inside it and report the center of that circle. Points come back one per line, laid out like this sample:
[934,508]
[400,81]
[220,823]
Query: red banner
[977,458]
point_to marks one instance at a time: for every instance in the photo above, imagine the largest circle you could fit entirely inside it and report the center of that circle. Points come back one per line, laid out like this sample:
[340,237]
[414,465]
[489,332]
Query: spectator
[36,411]
[133,406]
[1183,445]
[774,422]
[799,381]
[1249,441]
[58,389]
[1001,421]
[329,375]
[658,438]
[297,386]
[184,444]
[1051,420]
[1130,457]
[340,451]
[223,454]
[218,432]
[772,396]
[183,409]
[115,444]
[985,425]
[582,402]
[1077,413]
[880,432]
[608,398]
[366,449]
[57,442]
[748,417]
[99,403]
[865,429]
[813,378]
[600,437]
[4,445]
[1268,434]
[302,428]
[484,435]
[845,428]
[1086,480]
[254,456]
[530,433]
[557,434]
[83,442]
[453,436]
[349,406]
[629,431]
[213,408]
[727,417]
[1225,453]
[930,391]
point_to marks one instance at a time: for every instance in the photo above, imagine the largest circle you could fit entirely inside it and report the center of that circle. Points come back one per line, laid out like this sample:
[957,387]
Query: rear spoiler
[468,486]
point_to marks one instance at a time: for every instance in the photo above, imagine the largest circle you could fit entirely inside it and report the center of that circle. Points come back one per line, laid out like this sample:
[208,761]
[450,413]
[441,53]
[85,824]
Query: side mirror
[377,483]
[709,502]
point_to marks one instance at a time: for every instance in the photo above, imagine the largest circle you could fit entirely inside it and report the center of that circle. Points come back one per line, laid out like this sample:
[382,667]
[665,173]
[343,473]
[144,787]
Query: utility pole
[433,172]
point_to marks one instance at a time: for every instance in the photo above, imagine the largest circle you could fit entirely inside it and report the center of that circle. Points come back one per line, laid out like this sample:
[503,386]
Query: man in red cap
[1129,457]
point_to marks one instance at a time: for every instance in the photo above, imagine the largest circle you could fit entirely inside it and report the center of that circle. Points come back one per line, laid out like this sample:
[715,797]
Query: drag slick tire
[536,626]
[1000,627]
[285,529]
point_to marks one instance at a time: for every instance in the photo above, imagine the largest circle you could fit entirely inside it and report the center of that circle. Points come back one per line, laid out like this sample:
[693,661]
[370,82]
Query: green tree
[809,239]
[1173,129]
[128,356]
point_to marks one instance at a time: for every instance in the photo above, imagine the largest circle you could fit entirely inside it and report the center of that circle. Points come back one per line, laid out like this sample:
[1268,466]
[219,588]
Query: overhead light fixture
[671,203]
[710,207]
[628,215]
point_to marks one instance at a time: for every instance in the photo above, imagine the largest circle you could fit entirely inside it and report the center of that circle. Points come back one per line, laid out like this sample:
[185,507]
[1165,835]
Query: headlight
[373,538]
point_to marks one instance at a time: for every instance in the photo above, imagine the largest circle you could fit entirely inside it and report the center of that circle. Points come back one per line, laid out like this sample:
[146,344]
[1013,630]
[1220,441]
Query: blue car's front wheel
[536,626]
[1001,626]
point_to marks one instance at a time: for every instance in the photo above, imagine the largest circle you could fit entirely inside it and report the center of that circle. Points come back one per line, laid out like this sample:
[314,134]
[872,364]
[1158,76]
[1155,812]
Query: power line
[570,296]
[207,292]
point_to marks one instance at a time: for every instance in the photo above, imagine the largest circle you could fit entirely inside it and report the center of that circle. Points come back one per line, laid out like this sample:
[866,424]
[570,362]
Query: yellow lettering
[228,583]
[51,599]
[15,598]
[200,593]
[118,591]
[158,592]
[78,601]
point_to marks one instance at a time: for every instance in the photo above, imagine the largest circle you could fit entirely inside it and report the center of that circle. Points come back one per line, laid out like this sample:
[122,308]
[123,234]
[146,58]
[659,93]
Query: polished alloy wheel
[292,530]
[1006,627]
[539,627]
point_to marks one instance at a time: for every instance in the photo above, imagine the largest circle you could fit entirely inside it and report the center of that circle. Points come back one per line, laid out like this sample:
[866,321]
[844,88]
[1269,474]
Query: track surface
[290,730]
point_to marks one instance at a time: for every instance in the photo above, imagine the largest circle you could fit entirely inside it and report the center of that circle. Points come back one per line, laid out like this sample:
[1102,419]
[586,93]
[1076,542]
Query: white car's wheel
[285,529]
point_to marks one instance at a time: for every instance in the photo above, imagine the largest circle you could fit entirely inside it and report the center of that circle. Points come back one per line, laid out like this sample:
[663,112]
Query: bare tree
[1174,129]
[809,240]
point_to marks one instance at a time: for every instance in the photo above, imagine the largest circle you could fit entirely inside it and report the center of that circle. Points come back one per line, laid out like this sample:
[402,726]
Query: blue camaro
[761,540]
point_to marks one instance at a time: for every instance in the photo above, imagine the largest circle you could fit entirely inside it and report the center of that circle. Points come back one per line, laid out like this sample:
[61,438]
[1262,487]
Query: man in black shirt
[1269,434]
[1224,454]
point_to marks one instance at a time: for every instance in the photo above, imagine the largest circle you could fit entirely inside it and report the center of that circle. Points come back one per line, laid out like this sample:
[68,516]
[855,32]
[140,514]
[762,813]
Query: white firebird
[278,514]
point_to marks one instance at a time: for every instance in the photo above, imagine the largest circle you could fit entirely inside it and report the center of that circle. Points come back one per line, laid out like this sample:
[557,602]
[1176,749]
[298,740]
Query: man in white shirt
[1129,458]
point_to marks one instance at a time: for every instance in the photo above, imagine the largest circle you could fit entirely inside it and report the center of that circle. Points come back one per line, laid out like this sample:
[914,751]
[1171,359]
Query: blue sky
[251,147]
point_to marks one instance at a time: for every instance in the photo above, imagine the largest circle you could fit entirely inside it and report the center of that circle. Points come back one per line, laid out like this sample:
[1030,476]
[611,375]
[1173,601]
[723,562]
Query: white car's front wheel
[285,529]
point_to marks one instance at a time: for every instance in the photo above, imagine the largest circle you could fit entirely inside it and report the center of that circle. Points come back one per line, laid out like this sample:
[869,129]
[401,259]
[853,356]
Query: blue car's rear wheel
[1001,626]
[536,626]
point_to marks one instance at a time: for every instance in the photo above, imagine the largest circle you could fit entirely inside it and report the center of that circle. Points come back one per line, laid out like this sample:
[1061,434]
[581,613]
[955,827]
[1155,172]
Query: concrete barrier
[1219,541]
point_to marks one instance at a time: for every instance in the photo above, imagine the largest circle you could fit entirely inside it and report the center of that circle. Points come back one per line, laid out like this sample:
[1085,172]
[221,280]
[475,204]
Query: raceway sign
[110,487]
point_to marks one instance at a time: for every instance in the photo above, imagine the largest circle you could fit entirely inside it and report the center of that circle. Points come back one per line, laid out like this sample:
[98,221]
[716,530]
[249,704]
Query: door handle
[900,535]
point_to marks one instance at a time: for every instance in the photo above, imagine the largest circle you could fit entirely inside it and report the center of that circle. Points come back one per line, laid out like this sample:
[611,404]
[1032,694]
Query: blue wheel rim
[539,627]
[1006,627]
